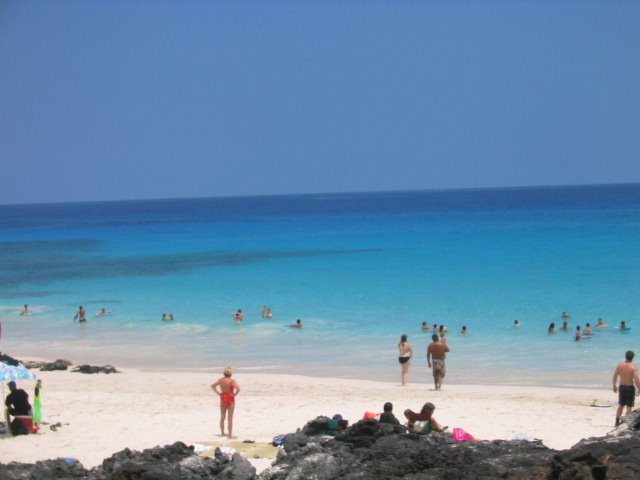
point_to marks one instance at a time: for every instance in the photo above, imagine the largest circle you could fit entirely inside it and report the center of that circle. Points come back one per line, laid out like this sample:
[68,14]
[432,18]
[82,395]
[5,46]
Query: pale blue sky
[139,99]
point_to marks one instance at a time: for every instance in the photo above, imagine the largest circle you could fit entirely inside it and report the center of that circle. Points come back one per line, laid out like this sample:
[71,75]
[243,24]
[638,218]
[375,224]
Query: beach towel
[369,415]
[459,435]
[280,439]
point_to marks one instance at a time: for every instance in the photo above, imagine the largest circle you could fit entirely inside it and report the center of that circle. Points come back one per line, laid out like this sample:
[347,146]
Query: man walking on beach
[628,374]
[436,352]
[229,388]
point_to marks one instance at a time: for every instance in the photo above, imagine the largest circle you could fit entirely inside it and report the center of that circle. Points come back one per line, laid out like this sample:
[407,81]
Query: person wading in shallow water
[227,389]
[405,353]
[436,352]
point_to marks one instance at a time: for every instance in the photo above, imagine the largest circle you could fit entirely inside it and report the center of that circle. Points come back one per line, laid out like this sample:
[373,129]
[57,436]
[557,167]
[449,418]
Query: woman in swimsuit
[405,353]
[229,389]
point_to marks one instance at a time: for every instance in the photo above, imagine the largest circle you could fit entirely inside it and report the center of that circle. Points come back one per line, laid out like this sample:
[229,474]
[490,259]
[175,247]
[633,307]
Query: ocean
[358,269]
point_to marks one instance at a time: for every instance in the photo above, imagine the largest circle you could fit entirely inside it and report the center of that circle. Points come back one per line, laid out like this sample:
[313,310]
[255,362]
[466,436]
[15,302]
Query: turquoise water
[358,269]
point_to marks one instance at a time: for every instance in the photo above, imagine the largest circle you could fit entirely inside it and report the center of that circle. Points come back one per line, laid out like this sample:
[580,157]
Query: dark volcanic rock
[46,470]
[616,456]
[372,450]
[172,462]
[175,461]
[369,450]
[95,369]
[57,365]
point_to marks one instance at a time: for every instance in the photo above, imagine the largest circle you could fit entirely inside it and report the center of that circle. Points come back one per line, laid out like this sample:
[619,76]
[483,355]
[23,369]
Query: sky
[168,99]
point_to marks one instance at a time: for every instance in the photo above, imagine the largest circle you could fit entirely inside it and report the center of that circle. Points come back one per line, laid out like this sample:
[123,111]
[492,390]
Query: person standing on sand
[405,352]
[436,352]
[628,374]
[229,389]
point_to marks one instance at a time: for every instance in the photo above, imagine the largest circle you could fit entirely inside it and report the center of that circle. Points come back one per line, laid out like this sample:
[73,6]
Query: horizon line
[300,194]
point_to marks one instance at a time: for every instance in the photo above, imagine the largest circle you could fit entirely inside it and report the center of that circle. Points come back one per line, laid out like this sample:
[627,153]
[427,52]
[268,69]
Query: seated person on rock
[425,416]
[387,416]
[17,402]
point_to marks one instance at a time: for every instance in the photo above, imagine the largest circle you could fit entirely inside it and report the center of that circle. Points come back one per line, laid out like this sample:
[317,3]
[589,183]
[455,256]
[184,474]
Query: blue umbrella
[13,373]
[10,373]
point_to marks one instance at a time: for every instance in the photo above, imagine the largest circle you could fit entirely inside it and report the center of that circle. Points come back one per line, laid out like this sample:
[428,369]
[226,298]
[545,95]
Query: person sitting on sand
[425,415]
[25,311]
[464,330]
[17,402]
[601,323]
[565,326]
[552,328]
[102,312]
[516,323]
[387,415]
[228,391]
[81,316]
[238,316]
[424,327]
[298,324]
[588,330]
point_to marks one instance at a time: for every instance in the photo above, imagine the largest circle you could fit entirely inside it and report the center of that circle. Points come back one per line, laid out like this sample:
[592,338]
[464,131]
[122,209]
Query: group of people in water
[588,330]
[266,313]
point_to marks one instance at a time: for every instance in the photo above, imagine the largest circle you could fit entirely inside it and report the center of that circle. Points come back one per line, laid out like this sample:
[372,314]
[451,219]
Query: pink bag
[459,435]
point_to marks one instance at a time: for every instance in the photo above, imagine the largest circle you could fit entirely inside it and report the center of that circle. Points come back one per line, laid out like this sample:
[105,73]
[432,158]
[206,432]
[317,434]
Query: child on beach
[387,415]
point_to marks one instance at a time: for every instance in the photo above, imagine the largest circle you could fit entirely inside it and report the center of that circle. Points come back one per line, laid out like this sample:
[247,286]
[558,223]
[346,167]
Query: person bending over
[17,402]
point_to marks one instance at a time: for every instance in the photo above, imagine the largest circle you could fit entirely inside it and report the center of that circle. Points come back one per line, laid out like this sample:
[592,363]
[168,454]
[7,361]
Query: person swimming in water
[516,323]
[25,311]
[565,326]
[424,327]
[565,315]
[464,330]
[552,328]
[102,312]
[601,323]
[588,330]
[298,324]
[238,316]
[623,326]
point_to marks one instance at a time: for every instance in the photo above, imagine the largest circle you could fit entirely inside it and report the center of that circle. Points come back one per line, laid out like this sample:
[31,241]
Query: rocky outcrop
[175,461]
[95,369]
[46,470]
[372,450]
[57,365]
[47,366]
[369,450]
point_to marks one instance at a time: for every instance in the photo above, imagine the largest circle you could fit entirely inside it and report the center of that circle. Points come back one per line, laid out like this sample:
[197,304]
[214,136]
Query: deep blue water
[358,269]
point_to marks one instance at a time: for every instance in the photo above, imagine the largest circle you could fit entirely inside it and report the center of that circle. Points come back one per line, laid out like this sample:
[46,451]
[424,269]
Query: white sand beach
[102,414]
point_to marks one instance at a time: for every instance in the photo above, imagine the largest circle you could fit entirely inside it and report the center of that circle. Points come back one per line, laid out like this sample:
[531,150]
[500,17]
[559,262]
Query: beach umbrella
[14,373]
